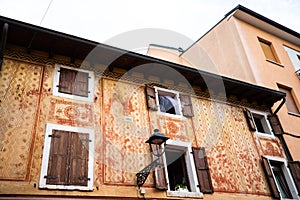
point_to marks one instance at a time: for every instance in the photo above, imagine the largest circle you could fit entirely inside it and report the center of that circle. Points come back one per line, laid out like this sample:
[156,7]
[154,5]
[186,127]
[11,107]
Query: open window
[169,102]
[279,178]
[186,172]
[258,122]
[73,83]
[67,158]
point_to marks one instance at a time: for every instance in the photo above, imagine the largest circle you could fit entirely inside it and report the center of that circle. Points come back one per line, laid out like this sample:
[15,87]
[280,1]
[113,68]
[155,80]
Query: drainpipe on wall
[280,136]
[3,43]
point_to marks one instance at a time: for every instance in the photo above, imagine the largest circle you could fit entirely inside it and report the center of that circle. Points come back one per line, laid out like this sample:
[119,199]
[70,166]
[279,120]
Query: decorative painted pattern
[271,147]
[19,95]
[125,125]
[232,152]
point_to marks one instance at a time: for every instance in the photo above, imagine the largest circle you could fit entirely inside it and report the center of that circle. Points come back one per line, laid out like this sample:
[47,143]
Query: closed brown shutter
[295,171]
[202,169]
[187,107]
[73,82]
[250,120]
[57,173]
[270,177]
[81,84]
[68,159]
[159,174]
[275,124]
[151,98]
[267,49]
[78,173]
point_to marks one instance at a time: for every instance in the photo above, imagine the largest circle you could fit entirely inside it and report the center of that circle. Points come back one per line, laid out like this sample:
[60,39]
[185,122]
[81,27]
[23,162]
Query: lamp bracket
[142,175]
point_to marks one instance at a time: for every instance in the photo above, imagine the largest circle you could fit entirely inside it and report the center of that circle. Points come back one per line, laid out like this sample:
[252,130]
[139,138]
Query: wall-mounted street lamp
[155,141]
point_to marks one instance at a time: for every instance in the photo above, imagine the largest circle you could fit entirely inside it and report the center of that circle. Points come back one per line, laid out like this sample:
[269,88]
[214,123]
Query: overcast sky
[101,21]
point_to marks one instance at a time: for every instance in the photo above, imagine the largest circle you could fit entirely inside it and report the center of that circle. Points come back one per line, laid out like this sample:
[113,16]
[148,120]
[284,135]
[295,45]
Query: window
[294,57]
[258,122]
[169,102]
[279,178]
[184,170]
[268,50]
[290,102]
[67,158]
[73,83]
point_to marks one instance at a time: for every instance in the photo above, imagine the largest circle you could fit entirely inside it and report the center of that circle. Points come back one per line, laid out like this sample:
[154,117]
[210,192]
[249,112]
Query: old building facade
[75,116]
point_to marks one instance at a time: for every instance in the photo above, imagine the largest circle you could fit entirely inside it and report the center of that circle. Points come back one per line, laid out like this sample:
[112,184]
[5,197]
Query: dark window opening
[168,102]
[177,172]
[280,180]
[261,124]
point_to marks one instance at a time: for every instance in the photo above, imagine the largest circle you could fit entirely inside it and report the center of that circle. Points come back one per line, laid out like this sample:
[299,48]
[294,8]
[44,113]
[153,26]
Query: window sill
[197,195]
[265,135]
[274,62]
[294,114]
[170,115]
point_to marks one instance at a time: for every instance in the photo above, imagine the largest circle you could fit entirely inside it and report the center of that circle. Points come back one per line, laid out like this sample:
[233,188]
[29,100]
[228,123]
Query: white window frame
[287,175]
[46,153]
[157,89]
[267,125]
[89,98]
[190,166]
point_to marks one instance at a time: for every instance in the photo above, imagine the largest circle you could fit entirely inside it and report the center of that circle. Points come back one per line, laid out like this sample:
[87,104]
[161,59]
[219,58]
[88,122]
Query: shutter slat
[187,107]
[270,178]
[295,171]
[250,121]
[202,168]
[151,98]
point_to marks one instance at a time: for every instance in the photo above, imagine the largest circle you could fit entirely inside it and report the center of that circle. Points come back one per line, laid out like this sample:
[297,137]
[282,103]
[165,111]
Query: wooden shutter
[202,169]
[295,171]
[250,121]
[57,173]
[81,84]
[73,82]
[187,107]
[267,49]
[270,177]
[159,173]
[151,98]
[79,152]
[275,124]
[66,80]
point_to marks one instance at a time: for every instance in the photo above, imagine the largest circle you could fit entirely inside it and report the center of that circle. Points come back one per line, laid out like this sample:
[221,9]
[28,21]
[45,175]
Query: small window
[73,83]
[268,50]
[67,158]
[279,178]
[258,122]
[294,57]
[290,102]
[169,102]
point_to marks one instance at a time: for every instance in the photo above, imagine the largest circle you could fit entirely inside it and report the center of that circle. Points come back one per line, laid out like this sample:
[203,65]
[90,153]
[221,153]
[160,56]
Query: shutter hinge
[50,177]
[86,140]
[54,136]
[89,77]
[60,86]
[192,152]
[84,178]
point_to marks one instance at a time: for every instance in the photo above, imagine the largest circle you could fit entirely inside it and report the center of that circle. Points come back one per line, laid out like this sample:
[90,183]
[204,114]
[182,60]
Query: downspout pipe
[280,136]
[3,43]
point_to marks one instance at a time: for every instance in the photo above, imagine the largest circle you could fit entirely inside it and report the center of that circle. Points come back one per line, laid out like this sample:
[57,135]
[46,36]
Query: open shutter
[202,169]
[186,103]
[270,177]
[151,98]
[159,173]
[275,124]
[78,174]
[57,173]
[81,84]
[250,121]
[66,80]
[295,171]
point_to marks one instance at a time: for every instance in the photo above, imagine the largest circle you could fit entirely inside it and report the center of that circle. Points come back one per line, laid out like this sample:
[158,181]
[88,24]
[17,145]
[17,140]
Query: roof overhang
[33,37]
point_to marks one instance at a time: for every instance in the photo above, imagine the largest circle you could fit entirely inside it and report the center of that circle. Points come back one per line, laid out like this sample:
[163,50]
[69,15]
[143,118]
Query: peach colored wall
[120,151]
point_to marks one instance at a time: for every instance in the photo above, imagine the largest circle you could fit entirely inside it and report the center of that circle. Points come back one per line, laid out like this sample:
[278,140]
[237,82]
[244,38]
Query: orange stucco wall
[122,122]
